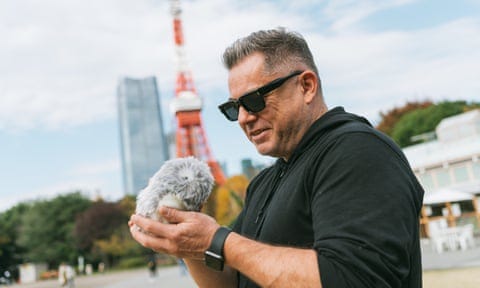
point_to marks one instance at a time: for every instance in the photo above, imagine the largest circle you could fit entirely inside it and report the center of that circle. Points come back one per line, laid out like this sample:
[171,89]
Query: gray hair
[279,46]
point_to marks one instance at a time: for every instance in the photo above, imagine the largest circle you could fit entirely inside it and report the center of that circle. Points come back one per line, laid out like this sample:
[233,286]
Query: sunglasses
[253,102]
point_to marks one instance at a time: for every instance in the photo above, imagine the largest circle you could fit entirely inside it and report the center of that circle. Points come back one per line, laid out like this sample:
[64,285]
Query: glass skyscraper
[143,141]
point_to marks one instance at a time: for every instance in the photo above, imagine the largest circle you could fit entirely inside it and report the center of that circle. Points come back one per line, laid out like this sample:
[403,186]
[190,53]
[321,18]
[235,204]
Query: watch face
[213,260]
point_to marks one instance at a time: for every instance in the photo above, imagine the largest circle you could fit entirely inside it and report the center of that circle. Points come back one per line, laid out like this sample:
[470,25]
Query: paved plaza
[171,276]
[139,278]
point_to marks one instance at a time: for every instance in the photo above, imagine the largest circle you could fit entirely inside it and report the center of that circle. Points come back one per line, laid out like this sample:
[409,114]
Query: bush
[132,262]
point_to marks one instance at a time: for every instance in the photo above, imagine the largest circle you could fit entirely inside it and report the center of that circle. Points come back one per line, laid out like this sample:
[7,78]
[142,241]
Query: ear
[309,85]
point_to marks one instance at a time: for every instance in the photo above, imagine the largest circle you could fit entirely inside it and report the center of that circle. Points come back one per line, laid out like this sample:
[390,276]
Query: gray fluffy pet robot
[181,183]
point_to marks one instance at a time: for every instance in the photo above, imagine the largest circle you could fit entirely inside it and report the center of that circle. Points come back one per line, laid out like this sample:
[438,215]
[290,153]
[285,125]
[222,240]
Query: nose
[244,116]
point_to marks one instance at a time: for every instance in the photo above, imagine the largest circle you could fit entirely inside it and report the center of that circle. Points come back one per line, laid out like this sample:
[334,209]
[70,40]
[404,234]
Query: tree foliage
[210,206]
[390,118]
[119,244]
[47,229]
[230,199]
[98,222]
[102,234]
[10,222]
[128,204]
[417,118]
[67,226]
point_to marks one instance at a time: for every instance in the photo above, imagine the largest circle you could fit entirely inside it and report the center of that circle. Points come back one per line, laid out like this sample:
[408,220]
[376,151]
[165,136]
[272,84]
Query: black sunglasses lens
[253,102]
[230,110]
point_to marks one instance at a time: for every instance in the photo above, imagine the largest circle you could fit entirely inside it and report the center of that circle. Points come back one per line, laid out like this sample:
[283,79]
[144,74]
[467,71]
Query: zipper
[260,216]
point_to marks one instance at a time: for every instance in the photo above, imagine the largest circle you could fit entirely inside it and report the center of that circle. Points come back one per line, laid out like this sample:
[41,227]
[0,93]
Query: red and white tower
[190,135]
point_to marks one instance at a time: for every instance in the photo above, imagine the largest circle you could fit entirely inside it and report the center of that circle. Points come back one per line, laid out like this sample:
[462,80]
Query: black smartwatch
[214,257]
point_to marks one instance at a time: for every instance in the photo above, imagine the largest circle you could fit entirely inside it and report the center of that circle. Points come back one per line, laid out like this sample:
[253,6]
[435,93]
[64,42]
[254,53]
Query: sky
[60,62]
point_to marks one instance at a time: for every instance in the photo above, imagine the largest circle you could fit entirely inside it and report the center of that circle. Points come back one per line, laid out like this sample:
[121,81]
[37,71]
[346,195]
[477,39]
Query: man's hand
[187,235]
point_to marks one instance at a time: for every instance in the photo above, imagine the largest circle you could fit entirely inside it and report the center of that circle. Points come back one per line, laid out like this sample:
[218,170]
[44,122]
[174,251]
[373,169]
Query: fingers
[160,237]
[150,241]
[187,235]
[172,215]
[150,226]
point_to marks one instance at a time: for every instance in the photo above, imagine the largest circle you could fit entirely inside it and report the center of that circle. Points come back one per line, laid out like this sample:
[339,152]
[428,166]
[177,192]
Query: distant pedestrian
[66,275]
[101,267]
[152,266]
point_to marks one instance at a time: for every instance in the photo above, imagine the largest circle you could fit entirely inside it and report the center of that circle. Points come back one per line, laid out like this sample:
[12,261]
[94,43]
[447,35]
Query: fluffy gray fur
[182,183]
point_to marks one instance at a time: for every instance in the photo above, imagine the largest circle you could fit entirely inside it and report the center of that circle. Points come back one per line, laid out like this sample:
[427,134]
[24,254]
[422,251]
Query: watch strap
[218,242]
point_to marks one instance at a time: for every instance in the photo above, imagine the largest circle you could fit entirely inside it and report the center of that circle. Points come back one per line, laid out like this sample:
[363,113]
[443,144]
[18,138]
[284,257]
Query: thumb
[172,215]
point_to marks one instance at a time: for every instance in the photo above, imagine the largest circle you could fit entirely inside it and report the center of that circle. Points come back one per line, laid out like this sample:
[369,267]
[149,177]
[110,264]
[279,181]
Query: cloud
[61,61]
[100,167]
[346,14]
[371,72]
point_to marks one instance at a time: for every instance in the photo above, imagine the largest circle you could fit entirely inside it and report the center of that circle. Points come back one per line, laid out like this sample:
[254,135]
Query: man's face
[275,130]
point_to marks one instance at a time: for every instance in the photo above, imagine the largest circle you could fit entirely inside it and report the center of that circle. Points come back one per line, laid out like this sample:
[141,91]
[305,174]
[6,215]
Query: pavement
[172,277]
[139,278]
[432,260]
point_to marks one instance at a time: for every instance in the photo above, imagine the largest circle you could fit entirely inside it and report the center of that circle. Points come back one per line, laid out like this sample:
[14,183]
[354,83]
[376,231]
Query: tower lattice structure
[191,139]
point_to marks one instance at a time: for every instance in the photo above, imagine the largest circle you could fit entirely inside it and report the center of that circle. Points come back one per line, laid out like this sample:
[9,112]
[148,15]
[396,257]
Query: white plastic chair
[465,237]
[439,241]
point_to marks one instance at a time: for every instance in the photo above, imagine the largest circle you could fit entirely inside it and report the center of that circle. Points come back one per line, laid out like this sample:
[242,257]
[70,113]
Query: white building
[30,272]
[449,169]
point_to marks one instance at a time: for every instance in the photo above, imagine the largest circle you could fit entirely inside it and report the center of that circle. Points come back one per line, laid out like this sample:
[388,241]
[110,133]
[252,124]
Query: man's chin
[265,150]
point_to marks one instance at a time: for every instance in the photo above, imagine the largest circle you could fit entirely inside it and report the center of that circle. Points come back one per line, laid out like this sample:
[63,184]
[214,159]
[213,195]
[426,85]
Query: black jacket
[348,192]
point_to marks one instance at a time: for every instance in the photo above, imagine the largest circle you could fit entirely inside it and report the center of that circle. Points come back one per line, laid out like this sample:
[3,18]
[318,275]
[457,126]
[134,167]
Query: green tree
[389,119]
[97,222]
[47,229]
[229,200]
[119,244]
[10,251]
[425,120]
[128,205]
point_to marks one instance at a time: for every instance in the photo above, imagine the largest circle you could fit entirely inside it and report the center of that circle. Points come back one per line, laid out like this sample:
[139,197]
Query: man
[340,206]
[66,275]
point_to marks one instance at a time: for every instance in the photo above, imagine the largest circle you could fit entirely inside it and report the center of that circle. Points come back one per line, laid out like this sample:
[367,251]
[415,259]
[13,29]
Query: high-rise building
[143,141]
[249,169]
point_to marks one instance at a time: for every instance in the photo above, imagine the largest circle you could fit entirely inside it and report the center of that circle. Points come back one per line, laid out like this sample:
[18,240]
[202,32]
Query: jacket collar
[331,119]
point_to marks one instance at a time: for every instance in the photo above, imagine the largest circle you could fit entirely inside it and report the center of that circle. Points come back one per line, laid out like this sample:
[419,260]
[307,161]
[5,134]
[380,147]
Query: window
[466,206]
[476,170]
[426,180]
[437,210]
[443,177]
[461,174]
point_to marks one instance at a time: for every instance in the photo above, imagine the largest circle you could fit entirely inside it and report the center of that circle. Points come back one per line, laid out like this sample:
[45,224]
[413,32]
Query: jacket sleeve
[365,207]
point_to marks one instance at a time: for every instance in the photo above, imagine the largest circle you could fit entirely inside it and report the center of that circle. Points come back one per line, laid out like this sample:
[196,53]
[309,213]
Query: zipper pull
[259,216]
